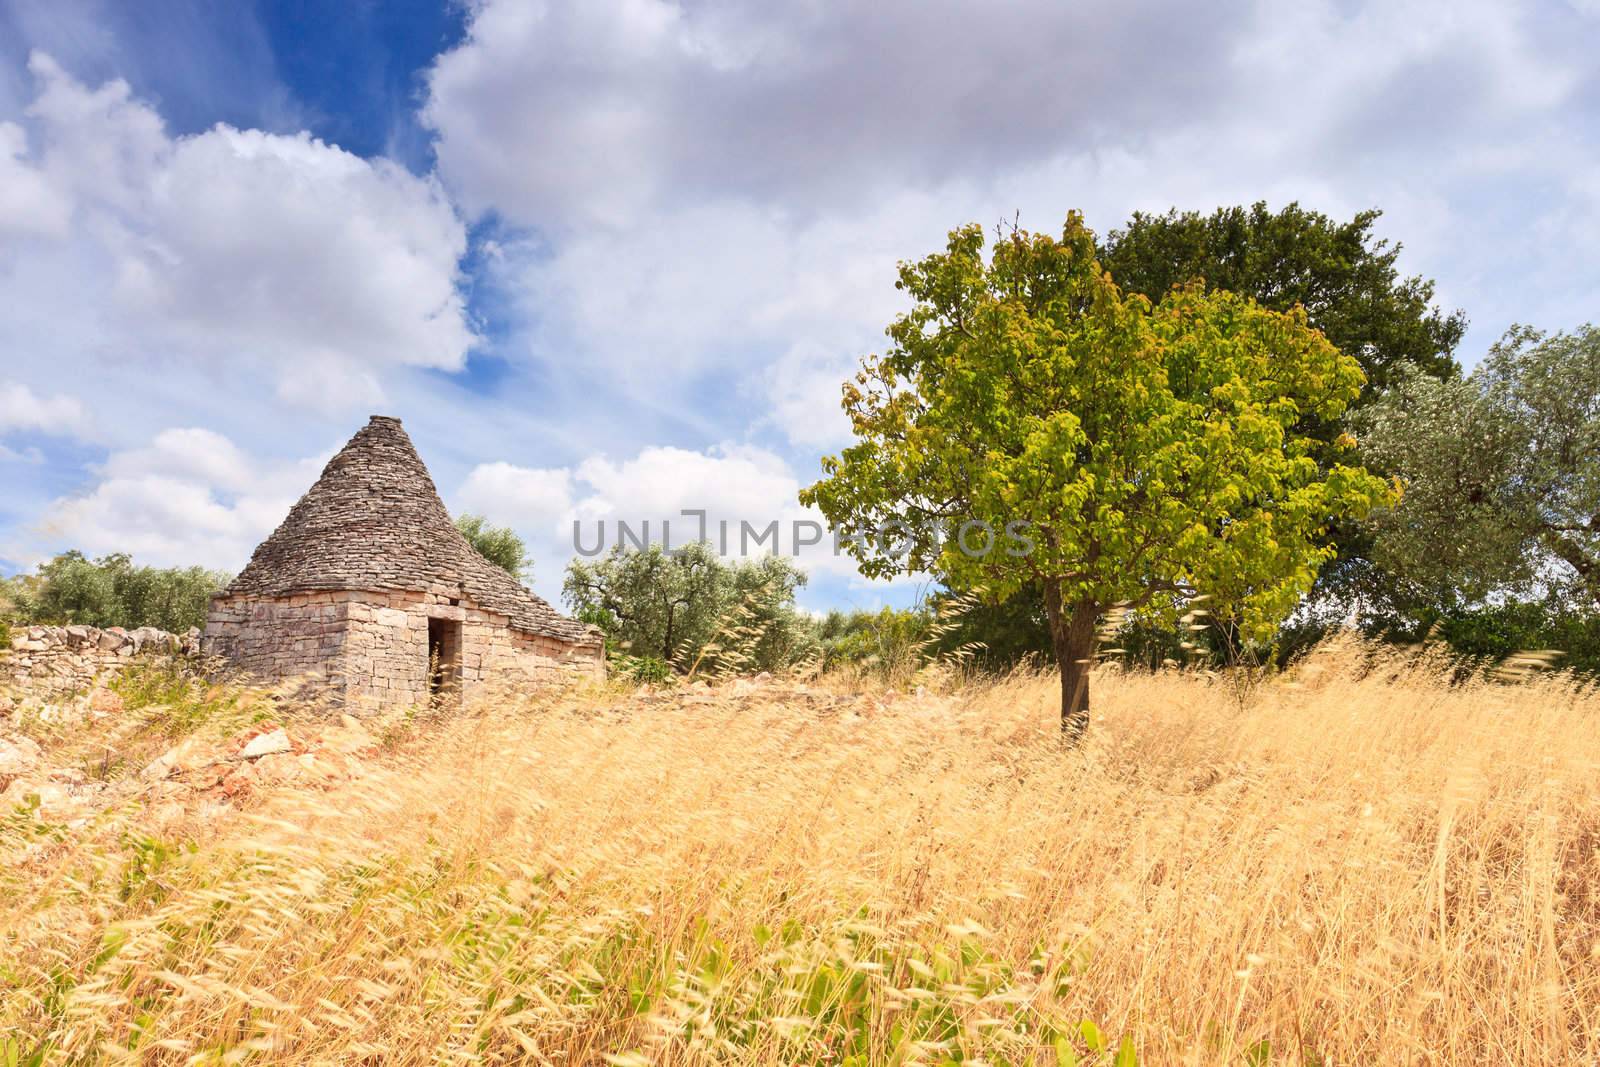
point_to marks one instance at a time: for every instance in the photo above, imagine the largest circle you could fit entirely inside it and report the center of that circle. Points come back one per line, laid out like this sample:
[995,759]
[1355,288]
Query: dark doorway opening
[444,658]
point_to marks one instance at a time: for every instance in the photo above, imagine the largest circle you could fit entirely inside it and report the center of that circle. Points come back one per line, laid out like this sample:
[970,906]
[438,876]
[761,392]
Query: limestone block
[266,744]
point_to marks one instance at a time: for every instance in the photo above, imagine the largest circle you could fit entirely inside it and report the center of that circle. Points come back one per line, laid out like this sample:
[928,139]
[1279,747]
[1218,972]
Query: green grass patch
[174,700]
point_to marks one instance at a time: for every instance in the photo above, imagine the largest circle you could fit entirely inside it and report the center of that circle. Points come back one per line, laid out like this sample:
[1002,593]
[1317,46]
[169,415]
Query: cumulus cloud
[537,501]
[701,286]
[723,188]
[803,388]
[743,490]
[29,204]
[188,496]
[261,252]
[563,114]
[22,409]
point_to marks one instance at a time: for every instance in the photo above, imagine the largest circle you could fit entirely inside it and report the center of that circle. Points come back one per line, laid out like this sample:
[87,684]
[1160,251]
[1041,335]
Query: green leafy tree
[1345,278]
[1501,473]
[1150,451]
[769,633]
[1003,630]
[892,642]
[499,545]
[1349,283]
[672,606]
[113,591]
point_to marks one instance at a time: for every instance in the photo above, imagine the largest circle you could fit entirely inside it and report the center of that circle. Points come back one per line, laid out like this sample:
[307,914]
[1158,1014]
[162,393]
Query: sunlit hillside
[1358,863]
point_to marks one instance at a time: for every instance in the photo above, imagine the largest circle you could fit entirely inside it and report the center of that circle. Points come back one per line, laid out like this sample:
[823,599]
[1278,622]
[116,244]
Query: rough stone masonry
[48,660]
[369,585]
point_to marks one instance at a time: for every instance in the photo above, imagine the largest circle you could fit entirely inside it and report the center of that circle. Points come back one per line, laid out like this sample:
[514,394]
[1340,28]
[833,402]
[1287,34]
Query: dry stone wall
[386,661]
[56,659]
[373,646]
[281,637]
[540,659]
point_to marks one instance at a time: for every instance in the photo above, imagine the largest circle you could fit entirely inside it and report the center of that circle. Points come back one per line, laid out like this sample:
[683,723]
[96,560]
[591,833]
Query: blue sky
[613,259]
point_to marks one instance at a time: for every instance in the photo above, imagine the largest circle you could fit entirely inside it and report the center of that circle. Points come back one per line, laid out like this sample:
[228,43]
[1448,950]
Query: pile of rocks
[197,770]
[56,658]
[301,754]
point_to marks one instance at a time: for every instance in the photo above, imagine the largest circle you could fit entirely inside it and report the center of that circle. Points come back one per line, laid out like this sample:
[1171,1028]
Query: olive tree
[499,545]
[670,605]
[1501,472]
[112,591]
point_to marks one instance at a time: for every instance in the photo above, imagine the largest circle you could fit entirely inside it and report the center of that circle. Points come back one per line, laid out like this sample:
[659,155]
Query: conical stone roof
[374,522]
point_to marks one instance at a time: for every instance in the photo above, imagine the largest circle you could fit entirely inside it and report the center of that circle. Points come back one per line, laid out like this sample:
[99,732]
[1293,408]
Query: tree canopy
[113,591]
[670,606]
[1501,473]
[1350,286]
[499,545]
[1150,452]
[1344,277]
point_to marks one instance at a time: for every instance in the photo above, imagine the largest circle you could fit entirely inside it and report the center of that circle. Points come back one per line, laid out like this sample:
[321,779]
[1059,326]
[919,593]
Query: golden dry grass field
[1356,863]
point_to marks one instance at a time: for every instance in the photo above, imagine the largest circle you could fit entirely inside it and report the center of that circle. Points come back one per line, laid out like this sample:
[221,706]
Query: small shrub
[645,669]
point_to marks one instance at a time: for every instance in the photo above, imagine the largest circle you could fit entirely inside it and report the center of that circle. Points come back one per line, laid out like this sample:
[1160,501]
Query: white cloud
[563,115]
[23,409]
[158,520]
[722,190]
[189,455]
[28,202]
[737,486]
[716,295]
[735,482]
[190,496]
[804,389]
[703,285]
[536,501]
[27,455]
[266,254]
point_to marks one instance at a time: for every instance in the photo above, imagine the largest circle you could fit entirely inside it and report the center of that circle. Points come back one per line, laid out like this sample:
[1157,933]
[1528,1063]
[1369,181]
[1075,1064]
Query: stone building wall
[386,658]
[387,652]
[280,637]
[57,659]
[543,658]
[374,646]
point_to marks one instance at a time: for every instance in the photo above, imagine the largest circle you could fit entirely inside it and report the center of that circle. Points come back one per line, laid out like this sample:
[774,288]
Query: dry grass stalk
[1357,864]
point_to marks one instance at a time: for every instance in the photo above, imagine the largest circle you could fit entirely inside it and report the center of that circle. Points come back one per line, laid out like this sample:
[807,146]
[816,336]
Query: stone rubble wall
[280,637]
[546,658]
[57,659]
[386,660]
[372,647]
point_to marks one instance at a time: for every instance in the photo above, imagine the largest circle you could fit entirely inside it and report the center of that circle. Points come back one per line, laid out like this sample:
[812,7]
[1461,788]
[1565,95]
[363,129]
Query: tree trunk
[1567,549]
[1072,636]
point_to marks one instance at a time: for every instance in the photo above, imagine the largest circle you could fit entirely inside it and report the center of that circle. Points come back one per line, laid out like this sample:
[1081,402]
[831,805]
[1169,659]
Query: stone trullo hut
[368,582]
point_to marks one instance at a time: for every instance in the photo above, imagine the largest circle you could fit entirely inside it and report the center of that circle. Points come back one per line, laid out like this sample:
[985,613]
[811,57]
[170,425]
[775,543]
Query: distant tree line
[110,591]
